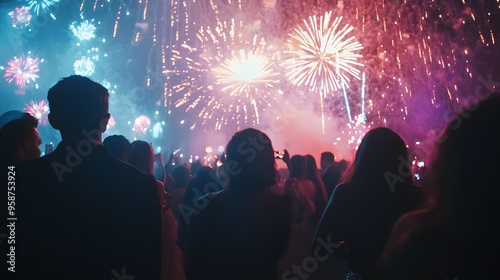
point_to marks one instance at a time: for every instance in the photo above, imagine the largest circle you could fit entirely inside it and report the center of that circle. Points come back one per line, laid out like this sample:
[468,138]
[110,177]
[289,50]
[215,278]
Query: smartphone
[176,151]
[279,154]
[49,148]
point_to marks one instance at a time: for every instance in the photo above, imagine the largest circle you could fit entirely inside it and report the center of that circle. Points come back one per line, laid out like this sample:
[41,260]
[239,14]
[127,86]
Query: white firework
[322,55]
[84,31]
[84,66]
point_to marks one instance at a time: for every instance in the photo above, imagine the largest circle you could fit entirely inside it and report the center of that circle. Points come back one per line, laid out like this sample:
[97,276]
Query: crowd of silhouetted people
[104,209]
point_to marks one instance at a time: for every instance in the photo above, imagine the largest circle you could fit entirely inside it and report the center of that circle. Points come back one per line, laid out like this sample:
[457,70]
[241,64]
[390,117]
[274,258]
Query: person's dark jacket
[84,215]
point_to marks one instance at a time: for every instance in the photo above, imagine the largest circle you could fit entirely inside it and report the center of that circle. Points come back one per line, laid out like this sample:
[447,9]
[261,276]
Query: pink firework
[20,17]
[111,122]
[23,70]
[141,124]
[39,110]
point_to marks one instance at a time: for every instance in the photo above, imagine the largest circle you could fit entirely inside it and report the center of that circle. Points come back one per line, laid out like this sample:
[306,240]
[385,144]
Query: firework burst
[420,60]
[40,7]
[322,55]
[22,70]
[84,31]
[84,66]
[141,124]
[229,78]
[239,73]
[20,17]
[39,110]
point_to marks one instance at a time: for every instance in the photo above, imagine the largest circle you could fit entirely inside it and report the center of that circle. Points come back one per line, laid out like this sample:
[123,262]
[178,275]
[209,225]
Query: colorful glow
[84,66]
[229,80]
[226,65]
[322,55]
[22,70]
[40,7]
[20,17]
[39,110]
[141,124]
[84,31]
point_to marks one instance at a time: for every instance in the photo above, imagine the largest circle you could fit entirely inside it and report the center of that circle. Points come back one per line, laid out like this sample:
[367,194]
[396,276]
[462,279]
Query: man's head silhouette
[78,104]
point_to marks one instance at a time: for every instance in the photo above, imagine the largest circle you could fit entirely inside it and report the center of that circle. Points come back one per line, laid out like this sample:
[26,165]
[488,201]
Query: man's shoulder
[101,168]
[121,170]
[417,225]
[36,167]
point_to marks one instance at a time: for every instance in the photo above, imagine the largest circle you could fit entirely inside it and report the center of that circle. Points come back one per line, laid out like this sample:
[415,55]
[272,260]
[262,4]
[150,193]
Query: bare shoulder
[421,218]
[413,225]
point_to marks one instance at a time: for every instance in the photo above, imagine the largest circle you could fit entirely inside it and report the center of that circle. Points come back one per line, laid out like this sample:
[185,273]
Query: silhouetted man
[82,214]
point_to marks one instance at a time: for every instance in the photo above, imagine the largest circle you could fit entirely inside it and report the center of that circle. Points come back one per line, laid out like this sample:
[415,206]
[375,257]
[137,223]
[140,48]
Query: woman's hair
[315,177]
[464,171]
[142,156]
[250,163]
[312,169]
[298,168]
[118,146]
[381,159]
[181,175]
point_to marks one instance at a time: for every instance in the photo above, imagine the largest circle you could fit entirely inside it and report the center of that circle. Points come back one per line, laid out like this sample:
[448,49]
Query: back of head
[312,168]
[298,166]
[142,156]
[181,175]
[18,135]
[118,146]
[327,159]
[250,161]
[78,103]
[203,173]
[464,171]
[382,154]
[342,165]
[195,167]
